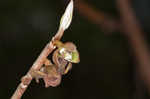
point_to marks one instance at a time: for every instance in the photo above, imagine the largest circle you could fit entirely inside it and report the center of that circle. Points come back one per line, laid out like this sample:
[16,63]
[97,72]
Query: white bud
[67,16]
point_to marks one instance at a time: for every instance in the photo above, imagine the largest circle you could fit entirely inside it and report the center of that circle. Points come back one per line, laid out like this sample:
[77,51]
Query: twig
[26,80]
[136,39]
[36,66]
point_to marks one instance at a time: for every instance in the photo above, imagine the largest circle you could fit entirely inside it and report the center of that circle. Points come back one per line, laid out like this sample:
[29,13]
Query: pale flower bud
[67,16]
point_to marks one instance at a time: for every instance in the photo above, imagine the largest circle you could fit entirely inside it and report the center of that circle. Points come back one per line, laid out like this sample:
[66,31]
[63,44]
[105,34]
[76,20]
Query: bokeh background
[107,67]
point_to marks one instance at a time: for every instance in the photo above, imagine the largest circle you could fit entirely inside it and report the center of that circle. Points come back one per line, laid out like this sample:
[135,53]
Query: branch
[131,27]
[36,66]
[26,80]
[136,38]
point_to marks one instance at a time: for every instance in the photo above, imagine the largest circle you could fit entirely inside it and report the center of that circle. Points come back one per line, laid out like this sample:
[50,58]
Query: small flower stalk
[63,57]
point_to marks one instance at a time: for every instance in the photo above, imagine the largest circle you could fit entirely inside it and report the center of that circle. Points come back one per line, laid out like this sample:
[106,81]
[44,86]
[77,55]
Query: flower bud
[67,16]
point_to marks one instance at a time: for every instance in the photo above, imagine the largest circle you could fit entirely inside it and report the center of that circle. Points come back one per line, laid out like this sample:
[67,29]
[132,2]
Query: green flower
[69,56]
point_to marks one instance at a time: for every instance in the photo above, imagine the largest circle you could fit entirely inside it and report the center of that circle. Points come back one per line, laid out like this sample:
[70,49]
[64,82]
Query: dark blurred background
[106,70]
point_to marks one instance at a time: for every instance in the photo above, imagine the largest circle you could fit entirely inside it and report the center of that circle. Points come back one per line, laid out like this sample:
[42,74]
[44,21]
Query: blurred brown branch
[136,38]
[106,22]
[129,25]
